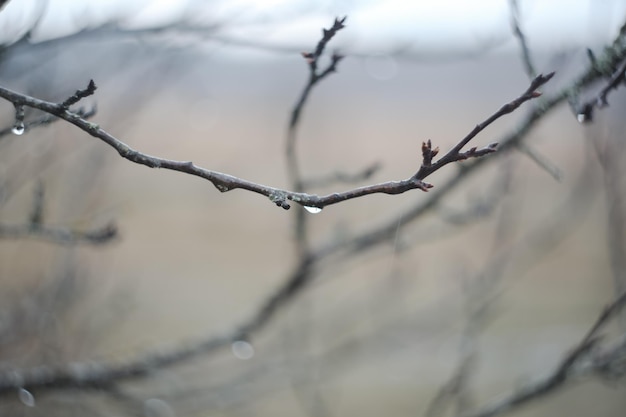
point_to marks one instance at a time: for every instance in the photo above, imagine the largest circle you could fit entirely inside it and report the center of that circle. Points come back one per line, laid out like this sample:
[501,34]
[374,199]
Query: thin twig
[293,167]
[455,153]
[541,161]
[315,76]
[79,95]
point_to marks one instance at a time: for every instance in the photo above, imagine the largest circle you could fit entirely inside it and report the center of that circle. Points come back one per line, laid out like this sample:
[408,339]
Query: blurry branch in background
[586,358]
[509,261]
[57,235]
[610,152]
[340,177]
[36,228]
[585,111]
[542,161]
[480,295]
[519,34]
[614,70]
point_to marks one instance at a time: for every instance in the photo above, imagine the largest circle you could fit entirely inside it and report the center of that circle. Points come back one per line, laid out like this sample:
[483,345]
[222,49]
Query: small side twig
[79,95]
[293,167]
[312,58]
[455,154]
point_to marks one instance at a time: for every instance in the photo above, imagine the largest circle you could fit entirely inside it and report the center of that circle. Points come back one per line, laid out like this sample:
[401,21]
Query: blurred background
[478,296]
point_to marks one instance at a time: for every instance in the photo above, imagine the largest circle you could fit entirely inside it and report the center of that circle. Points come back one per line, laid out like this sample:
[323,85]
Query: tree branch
[225,182]
[293,167]
[455,153]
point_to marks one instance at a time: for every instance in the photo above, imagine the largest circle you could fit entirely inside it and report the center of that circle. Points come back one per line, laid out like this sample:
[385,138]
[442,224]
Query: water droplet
[242,350]
[222,188]
[156,407]
[18,128]
[581,117]
[312,210]
[26,397]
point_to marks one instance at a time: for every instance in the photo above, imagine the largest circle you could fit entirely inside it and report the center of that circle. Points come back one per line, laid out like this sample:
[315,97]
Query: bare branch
[455,153]
[225,182]
[79,95]
[541,161]
[315,76]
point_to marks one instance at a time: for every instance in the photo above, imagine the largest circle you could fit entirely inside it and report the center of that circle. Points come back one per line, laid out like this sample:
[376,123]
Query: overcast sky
[373,24]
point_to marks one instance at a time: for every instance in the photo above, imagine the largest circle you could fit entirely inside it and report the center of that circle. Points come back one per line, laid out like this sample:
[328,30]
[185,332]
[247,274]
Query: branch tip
[80,94]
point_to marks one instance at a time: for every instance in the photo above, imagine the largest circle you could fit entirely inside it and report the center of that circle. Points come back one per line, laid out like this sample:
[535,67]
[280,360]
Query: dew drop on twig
[18,128]
[26,397]
[581,117]
[242,350]
[312,210]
